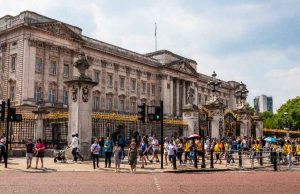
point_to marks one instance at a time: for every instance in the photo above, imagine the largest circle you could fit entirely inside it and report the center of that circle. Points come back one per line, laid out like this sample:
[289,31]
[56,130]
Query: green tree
[279,121]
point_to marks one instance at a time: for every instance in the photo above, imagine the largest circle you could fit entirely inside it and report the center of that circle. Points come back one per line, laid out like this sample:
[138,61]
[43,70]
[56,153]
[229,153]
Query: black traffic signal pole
[162,134]
[7,131]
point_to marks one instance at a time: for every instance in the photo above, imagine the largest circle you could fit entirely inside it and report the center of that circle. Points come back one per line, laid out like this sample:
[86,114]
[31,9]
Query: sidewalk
[19,164]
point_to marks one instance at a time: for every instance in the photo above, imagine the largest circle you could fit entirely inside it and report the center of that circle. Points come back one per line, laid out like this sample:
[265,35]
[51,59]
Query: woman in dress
[118,152]
[132,156]
[40,149]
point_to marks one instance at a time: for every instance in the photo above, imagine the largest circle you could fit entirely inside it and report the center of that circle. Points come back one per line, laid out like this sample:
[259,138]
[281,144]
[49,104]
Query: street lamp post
[214,84]
[203,123]
[286,115]
[242,93]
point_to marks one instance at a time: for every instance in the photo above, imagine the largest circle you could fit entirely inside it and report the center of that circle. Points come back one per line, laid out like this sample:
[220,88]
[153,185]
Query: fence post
[174,161]
[211,158]
[260,157]
[240,158]
[275,161]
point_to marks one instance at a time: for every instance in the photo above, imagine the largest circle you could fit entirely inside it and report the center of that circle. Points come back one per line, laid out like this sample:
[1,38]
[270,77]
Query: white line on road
[157,184]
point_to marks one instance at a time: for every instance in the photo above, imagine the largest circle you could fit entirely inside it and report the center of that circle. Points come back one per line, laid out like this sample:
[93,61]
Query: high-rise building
[263,103]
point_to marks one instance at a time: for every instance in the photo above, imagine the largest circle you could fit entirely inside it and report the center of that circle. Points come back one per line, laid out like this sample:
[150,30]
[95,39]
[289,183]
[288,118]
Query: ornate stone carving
[191,95]
[85,94]
[82,65]
[74,92]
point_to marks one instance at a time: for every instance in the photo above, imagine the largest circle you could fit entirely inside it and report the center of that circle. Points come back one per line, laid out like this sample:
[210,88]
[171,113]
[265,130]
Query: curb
[197,170]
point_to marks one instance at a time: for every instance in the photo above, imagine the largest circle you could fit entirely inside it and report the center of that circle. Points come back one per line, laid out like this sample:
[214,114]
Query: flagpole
[155,37]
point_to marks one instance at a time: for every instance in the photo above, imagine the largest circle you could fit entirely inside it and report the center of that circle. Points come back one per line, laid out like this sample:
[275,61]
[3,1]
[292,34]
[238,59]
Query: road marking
[157,184]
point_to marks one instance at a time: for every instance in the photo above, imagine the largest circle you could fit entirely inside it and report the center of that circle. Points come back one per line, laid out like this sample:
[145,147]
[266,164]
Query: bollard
[174,161]
[211,158]
[260,157]
[240,158]
[275,161]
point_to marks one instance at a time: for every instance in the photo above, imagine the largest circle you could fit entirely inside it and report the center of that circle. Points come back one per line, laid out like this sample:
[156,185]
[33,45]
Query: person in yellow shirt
[256,149]
[217,151]
[297,154]
[187,149]
[289,152]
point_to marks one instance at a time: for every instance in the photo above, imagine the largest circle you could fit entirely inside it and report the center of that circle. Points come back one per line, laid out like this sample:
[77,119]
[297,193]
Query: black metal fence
[56,130]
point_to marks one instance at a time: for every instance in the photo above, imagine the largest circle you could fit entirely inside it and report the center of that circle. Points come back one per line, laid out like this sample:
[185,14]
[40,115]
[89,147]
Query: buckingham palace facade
[36,57]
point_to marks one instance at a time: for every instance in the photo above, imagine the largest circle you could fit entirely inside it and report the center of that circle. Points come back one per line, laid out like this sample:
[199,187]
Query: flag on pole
[155,29]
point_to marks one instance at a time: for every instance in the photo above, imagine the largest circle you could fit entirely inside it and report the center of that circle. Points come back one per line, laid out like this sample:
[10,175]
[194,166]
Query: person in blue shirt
[108,148]
[143,147]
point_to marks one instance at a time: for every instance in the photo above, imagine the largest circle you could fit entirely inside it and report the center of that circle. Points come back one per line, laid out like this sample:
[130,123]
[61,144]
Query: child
[118,152]
[29,152]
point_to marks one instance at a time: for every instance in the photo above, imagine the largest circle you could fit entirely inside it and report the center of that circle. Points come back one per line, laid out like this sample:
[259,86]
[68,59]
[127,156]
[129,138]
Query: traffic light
[156,115]
[12,116]
[142,113]
[2,111]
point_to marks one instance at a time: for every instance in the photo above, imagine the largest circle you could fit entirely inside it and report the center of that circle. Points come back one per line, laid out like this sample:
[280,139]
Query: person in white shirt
[171,151]
[2,147]
[74,145]
[154,146]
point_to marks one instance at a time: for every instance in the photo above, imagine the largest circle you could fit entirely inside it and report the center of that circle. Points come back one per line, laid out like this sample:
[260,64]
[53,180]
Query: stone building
[36,57]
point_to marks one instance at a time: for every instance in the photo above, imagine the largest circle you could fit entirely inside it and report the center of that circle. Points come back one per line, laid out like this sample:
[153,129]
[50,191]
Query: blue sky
[257,42]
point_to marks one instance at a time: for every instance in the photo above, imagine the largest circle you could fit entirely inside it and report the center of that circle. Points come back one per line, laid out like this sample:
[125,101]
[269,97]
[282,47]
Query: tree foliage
[279,121]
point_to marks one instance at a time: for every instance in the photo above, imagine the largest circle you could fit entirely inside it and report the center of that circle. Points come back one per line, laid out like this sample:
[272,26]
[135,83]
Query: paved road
[107,182]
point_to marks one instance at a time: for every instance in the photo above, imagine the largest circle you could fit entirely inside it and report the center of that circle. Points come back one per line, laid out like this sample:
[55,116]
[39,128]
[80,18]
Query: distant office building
[263,103]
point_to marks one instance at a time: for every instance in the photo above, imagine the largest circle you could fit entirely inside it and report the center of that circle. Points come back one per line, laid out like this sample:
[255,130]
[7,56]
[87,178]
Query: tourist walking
[74,145]
[179,145]
[108,148]
[143,153]
[95,150]
[171,152]
[29,152]
[40,149]
[166,150]
[154,146]
[217,151]
[132,156]
[2,147]
[118,155]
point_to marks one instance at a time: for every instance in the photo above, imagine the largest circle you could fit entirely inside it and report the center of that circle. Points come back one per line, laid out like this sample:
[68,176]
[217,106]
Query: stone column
[177,97]
[80,106]
[196,94]
[39,124]
[171,95]
[184,93]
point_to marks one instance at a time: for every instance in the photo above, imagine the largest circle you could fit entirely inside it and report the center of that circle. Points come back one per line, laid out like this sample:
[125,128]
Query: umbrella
[194,136]
[271,139]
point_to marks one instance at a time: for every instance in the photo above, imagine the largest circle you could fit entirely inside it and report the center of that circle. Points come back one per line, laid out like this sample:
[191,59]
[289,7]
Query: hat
[73,133]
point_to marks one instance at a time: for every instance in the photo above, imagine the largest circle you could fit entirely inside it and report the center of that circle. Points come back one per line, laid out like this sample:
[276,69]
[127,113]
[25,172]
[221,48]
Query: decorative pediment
[182,66]
[59,29]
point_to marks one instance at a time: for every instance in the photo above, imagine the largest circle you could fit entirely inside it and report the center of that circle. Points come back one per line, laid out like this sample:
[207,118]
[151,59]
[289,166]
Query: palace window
[37,93]
[133,85]
[143,87]
[199,99]
[153,90]
[38,64]
[122,105]
[122,83]
[12,92]
[97,76]
[110,80]
[52,68]
[133,105]
[96,103]
[52,95]
[109,103]
[65,96]
[13,62]
[66,70]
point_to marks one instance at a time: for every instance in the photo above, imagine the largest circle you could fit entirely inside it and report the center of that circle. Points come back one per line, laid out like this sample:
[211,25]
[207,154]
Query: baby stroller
[60,155]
